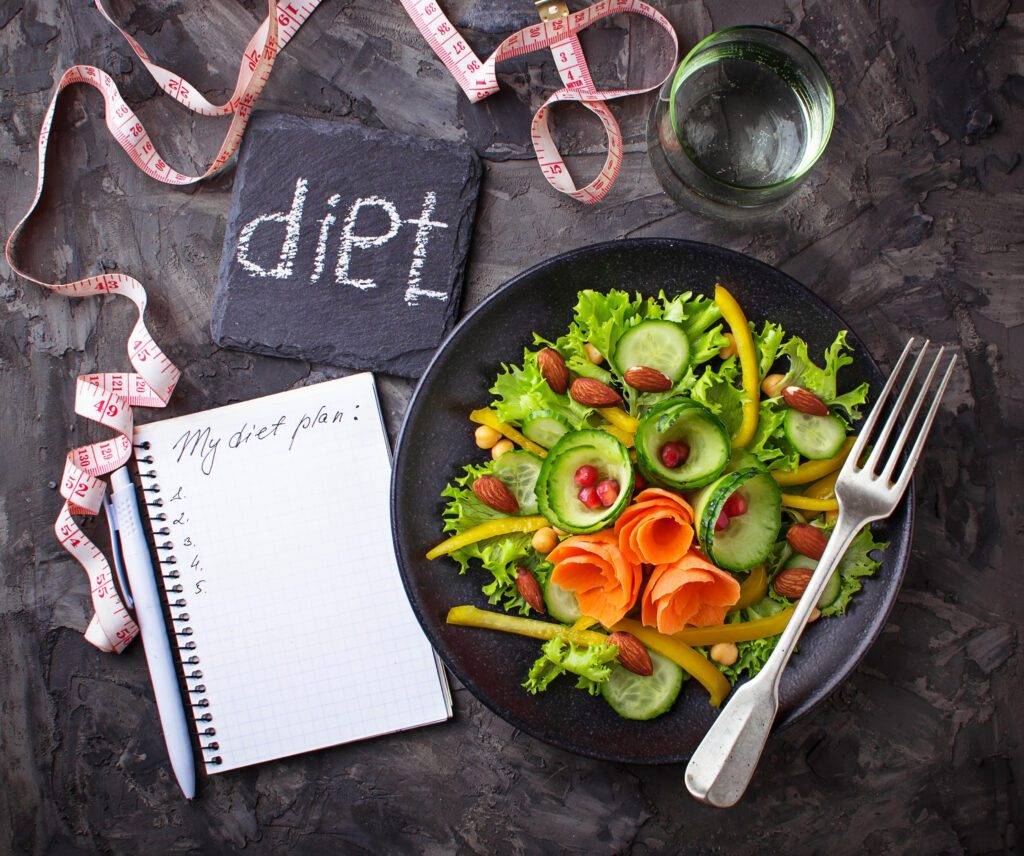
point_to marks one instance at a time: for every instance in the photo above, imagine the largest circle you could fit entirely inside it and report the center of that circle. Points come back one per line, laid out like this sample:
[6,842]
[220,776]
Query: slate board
[344,244]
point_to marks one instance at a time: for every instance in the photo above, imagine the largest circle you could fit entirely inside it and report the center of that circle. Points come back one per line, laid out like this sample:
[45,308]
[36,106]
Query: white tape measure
[108,398]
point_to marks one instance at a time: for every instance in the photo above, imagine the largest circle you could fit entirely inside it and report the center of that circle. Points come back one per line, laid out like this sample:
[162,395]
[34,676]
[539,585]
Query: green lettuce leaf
[501,556]
[602,317]
[592,664]
[752,657]
[769,443]
[521,391]
[855,564]
[767,344]
[717,390]
[463,509]
[823,381]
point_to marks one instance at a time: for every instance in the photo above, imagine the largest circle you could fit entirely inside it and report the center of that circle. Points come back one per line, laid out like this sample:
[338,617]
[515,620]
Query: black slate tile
[345,245]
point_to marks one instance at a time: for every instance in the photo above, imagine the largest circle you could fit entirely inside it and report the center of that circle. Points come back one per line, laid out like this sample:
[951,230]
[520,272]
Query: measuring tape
[108,398]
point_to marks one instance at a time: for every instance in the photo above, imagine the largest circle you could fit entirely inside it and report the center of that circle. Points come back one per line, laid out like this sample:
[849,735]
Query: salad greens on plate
[658,489]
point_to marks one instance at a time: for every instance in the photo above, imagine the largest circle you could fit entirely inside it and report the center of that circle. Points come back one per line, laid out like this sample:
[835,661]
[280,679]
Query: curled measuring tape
[108,398]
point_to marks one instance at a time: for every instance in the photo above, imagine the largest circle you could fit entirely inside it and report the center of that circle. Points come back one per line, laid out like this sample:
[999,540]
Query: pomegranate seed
[735,505]
[639,483]
[586,476]
[674,454]
[588,496]
[722,522]
[608,492]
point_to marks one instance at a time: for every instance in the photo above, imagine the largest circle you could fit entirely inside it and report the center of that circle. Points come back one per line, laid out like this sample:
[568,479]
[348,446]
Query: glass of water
[742,121]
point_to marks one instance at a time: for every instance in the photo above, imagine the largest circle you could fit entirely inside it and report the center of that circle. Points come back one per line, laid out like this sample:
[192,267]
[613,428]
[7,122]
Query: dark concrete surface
[913,223]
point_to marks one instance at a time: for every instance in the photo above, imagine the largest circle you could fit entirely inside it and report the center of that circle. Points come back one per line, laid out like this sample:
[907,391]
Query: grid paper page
[280,524]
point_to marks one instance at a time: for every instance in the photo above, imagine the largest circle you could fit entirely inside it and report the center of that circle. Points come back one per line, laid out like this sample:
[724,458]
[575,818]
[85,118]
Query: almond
[632,653]
[792,582]
[553,369]
[804,400]
[592,393]
[491,491]
[529,590]
[807,540]
[646,379]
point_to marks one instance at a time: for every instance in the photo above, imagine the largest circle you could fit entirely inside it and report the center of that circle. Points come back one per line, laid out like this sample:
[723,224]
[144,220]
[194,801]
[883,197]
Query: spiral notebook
[271,519]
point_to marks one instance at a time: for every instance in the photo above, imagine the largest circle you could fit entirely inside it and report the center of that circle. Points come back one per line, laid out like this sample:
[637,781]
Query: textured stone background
[913,223]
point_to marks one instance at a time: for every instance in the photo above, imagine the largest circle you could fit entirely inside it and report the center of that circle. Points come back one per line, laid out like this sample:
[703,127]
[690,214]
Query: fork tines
[880,442]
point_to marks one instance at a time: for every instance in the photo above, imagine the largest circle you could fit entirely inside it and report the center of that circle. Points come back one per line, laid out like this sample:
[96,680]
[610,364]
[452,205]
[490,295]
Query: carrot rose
[689,591]
[657,528]
[605,583]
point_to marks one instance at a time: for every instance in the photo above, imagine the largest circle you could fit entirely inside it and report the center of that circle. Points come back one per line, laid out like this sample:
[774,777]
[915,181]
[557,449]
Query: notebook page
[280,525]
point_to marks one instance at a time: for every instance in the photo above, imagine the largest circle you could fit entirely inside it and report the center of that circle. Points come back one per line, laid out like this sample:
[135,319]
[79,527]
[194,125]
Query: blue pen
[132,560]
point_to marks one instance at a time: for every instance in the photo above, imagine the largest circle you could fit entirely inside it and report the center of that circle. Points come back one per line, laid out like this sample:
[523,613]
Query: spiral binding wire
[196,690]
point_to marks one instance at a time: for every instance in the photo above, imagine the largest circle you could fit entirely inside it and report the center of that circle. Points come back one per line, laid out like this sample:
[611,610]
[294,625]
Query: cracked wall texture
[913,223]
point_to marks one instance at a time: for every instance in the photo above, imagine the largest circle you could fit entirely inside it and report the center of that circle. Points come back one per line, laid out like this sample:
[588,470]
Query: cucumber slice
[633,696]
[519,470]
[766,607]
[561,603]
[814,437]
[545,428]
[558,493]
[661,345]
[832,587]
[693,424]
[749,538]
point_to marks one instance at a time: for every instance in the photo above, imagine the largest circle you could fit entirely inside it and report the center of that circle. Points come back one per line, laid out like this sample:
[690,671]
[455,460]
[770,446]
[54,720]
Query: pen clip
[115,549]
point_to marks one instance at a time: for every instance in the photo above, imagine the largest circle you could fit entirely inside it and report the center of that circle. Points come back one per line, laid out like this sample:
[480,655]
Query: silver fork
[724,763]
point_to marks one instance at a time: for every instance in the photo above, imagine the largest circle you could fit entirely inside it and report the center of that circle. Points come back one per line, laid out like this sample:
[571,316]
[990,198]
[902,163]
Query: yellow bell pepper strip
[623,436]
[470,616]
[490,529]
[823,488]
[584,622]
[814,470]
[689,660]
[619,418]
[749,370]
[753,588]
[741,631]
[809,503]
[486,416]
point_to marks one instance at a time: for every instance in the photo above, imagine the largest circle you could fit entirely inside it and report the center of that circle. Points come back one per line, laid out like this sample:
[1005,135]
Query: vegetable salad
[657,489]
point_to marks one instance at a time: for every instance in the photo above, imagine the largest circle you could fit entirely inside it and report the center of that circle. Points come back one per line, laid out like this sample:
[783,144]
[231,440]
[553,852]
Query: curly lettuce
[600,319]
[752,657]
[592,664]
[521,391]
[823,380]
[857,563]
[718,392]
[503,555]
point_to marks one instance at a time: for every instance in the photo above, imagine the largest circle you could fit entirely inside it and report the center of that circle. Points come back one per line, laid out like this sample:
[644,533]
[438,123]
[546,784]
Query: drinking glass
[742,121]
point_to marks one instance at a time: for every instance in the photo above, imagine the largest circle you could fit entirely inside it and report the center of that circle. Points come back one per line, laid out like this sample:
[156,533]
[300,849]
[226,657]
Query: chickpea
[725,653]
[814,615]
[730,349]
[772,385]
[545,540]
[486,437]
[593,354]
[500,448]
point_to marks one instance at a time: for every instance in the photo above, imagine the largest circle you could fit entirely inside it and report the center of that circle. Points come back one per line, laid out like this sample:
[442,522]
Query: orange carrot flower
[657,528]
[605,583]
[688,591]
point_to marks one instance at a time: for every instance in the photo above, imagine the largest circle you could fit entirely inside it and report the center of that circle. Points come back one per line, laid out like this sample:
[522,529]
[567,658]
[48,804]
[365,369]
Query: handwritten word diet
[351,238]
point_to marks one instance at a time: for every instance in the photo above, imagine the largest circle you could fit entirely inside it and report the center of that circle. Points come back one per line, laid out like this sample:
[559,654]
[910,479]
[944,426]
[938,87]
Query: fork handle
[722,766]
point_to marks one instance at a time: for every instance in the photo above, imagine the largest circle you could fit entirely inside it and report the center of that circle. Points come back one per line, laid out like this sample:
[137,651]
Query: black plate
[437,440]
